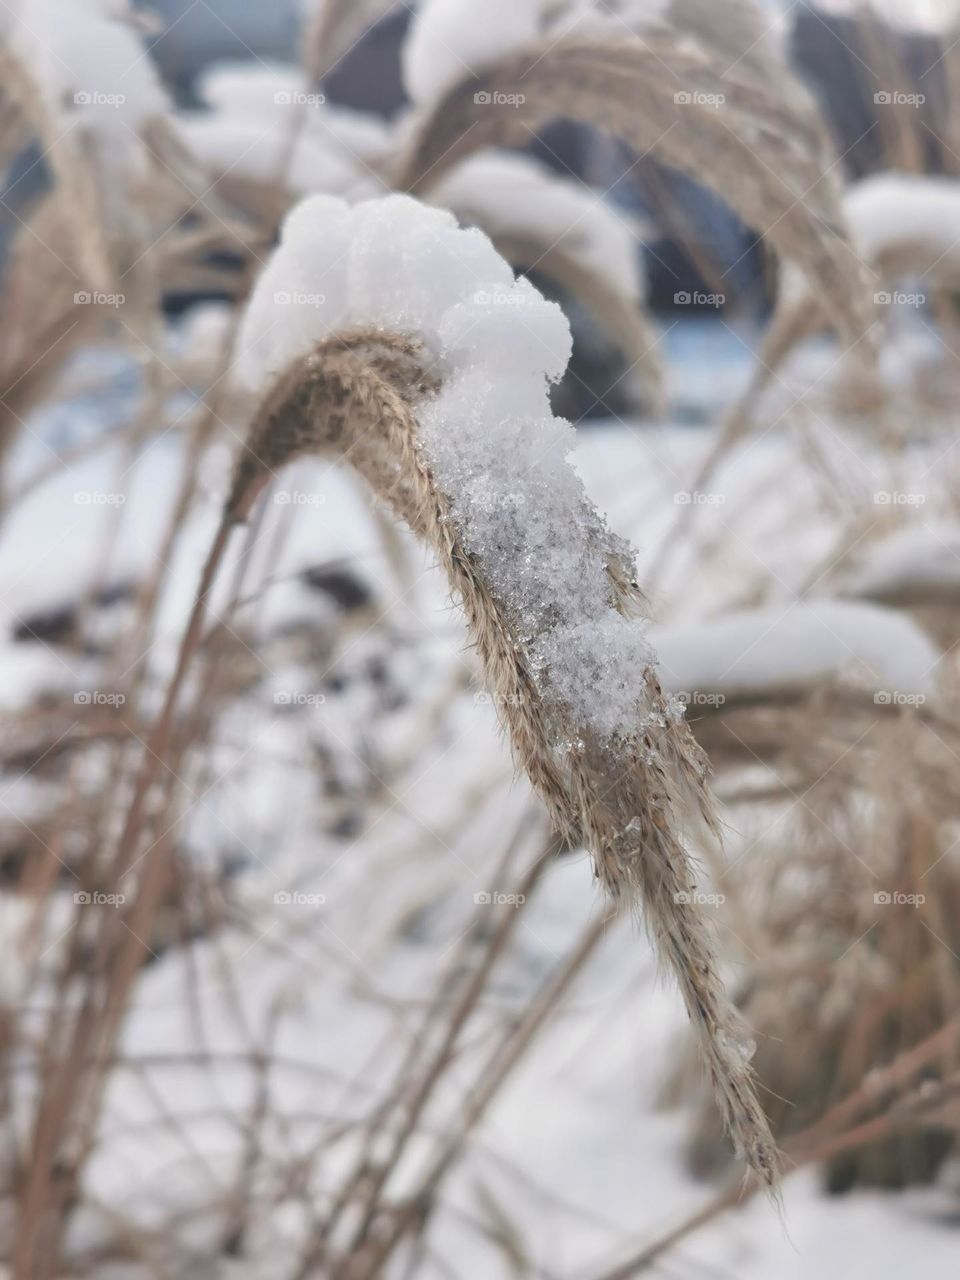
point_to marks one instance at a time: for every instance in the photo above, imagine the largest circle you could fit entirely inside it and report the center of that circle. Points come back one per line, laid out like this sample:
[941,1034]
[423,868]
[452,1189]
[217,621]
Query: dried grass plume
[626,798]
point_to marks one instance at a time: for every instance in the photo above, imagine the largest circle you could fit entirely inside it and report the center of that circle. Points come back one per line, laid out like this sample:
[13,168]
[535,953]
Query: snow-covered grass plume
[389,335]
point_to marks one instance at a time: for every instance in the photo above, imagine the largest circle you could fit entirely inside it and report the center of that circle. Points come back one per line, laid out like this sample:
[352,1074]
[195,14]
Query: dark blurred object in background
[846,61]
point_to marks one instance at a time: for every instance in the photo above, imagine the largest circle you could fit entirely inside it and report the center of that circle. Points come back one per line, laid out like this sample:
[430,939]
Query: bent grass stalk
[413,1091]
[763,148]
[371,1253]
[355,396]
[334,28]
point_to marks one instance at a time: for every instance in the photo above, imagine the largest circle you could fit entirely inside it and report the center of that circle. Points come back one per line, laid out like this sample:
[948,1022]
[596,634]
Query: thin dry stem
[334,27]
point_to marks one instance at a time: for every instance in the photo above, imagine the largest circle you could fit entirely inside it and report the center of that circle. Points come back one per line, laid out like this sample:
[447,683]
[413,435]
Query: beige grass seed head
[627,799]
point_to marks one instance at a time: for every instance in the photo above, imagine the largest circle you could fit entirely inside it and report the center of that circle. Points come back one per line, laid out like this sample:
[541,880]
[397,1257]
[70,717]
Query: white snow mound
[452,39]
[511,194]
[89,64]
[889,209]
[756,652]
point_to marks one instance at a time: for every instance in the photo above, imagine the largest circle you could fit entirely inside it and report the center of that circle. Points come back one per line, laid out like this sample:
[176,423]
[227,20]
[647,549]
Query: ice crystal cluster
[496,452]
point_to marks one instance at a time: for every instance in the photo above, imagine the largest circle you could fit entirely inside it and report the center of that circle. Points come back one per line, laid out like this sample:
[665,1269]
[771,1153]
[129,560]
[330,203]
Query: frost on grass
[503,459]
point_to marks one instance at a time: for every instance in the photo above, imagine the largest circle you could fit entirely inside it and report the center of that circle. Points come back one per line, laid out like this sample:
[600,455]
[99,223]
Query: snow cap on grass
[888,209]
[511,194]
[783,649]
[452,39]
[389,264]
[586,17]
[256,93]
[88,62]
[917,564]
[923,15]
[493,445]
[900,225]
[241,148]
[265,127]
[249,88]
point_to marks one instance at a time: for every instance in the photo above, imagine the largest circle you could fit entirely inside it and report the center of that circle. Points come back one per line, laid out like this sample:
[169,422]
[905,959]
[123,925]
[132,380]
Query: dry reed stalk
[864,798]
[882,69]
[626,801]
[70,1098]
[834,1132]
[41,323]
[23,106]
[667,210]
[741,30]
[360,1193]
[82,239]
[63,249]
[950,61]
[118,951]
[799,313]
[763,148]
[16,97]
[216,400]
[188,262]
[370,1250]
[334,27]
[162,879]
[783,333]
